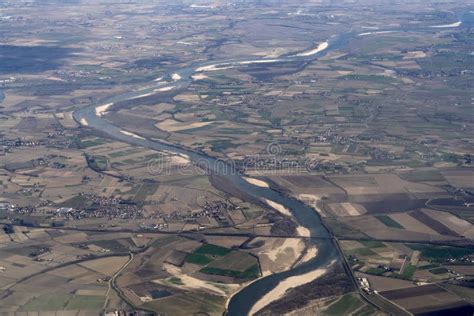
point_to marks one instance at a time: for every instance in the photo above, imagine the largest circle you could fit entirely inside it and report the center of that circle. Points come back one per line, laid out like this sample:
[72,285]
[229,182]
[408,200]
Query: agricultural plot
[50,303]
[347,209]
[388,221]
[216,260]
[394,227]
[276,254]
[386,265]
[386,186]
[349,303]
[428,298]
[176,268]
[189,303]
[72,288]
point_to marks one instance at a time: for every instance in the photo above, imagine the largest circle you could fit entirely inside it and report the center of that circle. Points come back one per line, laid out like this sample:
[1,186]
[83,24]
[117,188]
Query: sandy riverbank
[311,253]
[102,109]
[213,67]
[303,231]
[374,33]
[199,77]
[258,183]
[455,24]
[279,291]
[142,95]
[233,64]
[164,89]
[84,122]
[322,46]
[193,283]
[131,134]
[278,207]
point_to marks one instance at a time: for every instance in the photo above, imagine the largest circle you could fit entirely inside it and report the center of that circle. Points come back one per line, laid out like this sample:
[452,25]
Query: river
[304,215]
[242,302]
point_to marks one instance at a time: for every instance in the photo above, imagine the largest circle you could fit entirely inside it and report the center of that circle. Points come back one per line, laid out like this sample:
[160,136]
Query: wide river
[242,302]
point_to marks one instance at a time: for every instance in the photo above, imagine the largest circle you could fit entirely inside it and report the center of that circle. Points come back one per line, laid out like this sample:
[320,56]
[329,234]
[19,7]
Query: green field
[340,229]
[116,245]
[250,273]
[84,144]
[189,303]
[85,302]
[62,302]
[372,243]
[77,201]
[176,281]
[98,162]
[408,271]
[213,250]
[48,302]
[440,253]
[423,175]
[367,310]
[199,259]
[219,260]
[124,153]
[344,306]
[361,252]
[388,221]
[235,261]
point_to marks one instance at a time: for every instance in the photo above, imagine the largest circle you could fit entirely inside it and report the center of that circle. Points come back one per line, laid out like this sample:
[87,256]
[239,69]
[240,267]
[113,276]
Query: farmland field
[389,221]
